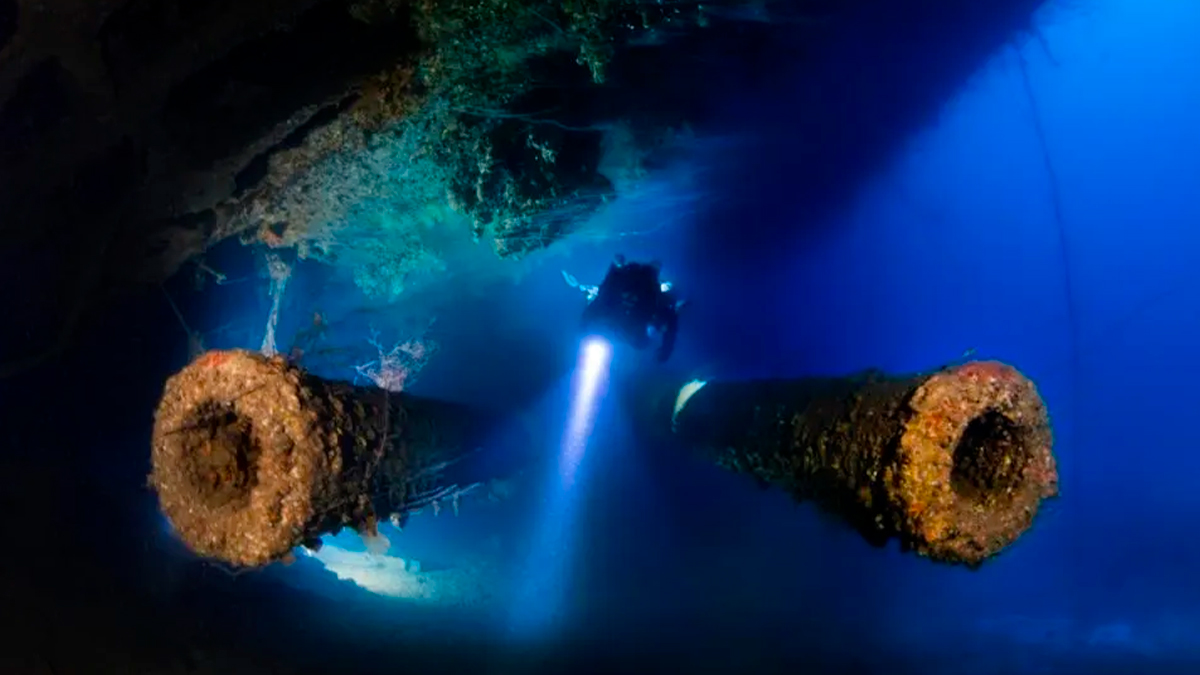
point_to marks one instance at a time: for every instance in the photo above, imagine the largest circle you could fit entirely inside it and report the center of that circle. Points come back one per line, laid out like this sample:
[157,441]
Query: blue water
[1071,253]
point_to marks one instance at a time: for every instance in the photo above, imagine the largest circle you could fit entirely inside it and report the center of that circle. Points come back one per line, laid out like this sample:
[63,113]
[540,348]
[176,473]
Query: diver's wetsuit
[630,303]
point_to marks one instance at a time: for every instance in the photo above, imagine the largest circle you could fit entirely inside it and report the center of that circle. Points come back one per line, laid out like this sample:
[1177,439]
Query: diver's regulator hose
[953,464]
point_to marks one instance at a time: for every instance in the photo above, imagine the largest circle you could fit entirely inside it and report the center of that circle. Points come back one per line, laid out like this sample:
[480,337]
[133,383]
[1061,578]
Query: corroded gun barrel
[953,464]
[252,456]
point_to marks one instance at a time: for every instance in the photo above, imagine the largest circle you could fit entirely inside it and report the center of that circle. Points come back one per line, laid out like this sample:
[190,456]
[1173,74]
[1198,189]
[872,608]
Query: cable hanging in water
[1059,222]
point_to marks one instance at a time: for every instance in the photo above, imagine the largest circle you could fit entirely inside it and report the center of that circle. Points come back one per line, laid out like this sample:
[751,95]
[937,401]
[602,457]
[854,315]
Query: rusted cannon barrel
[252,456]
[953,464]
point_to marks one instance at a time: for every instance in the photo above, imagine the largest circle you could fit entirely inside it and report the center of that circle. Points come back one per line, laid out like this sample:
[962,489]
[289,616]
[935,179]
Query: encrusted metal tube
[252,456]
[953,464]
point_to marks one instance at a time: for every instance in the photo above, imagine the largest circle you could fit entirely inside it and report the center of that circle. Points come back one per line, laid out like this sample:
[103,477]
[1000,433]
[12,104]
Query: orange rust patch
[986,370]
[213,359]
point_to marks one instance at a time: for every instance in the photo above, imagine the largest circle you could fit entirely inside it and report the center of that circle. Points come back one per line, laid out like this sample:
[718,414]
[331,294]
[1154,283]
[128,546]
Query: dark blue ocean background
[1046,216]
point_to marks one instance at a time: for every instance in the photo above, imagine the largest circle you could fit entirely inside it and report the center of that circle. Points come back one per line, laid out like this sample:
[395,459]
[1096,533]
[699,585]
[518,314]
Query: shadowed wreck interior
[135,135]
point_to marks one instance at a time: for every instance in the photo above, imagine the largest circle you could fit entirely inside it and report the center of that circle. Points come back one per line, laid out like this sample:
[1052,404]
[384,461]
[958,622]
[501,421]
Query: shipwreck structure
[953,464]
[136,135]
[252,456]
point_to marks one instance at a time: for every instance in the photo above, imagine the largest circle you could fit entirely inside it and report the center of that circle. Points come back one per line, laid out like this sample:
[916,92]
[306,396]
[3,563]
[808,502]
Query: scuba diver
[632,304]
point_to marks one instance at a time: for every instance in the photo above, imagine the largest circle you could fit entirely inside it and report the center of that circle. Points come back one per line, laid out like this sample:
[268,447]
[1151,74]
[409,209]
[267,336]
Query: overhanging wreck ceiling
[134,134]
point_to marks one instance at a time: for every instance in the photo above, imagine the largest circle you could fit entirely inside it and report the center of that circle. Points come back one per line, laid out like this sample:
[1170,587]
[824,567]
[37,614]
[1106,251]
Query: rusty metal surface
[252,456]
[953,464]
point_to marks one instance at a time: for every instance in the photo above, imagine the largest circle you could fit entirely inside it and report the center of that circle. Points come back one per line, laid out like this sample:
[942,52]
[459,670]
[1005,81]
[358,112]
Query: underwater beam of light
[538,602]
[592,375]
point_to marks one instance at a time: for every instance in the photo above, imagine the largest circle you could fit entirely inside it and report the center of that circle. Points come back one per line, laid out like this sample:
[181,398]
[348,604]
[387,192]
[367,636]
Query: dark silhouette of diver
[631,304]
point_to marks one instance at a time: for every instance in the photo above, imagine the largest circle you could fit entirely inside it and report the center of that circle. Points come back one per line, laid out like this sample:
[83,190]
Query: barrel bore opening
[222,455]
[989,459]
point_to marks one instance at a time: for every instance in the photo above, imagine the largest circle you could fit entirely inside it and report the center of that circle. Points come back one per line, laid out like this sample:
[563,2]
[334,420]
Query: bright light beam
[592,376]
[539,602]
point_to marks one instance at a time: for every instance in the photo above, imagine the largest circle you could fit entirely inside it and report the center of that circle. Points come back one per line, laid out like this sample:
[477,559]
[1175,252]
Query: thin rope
[1063,243]
[1063,251]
